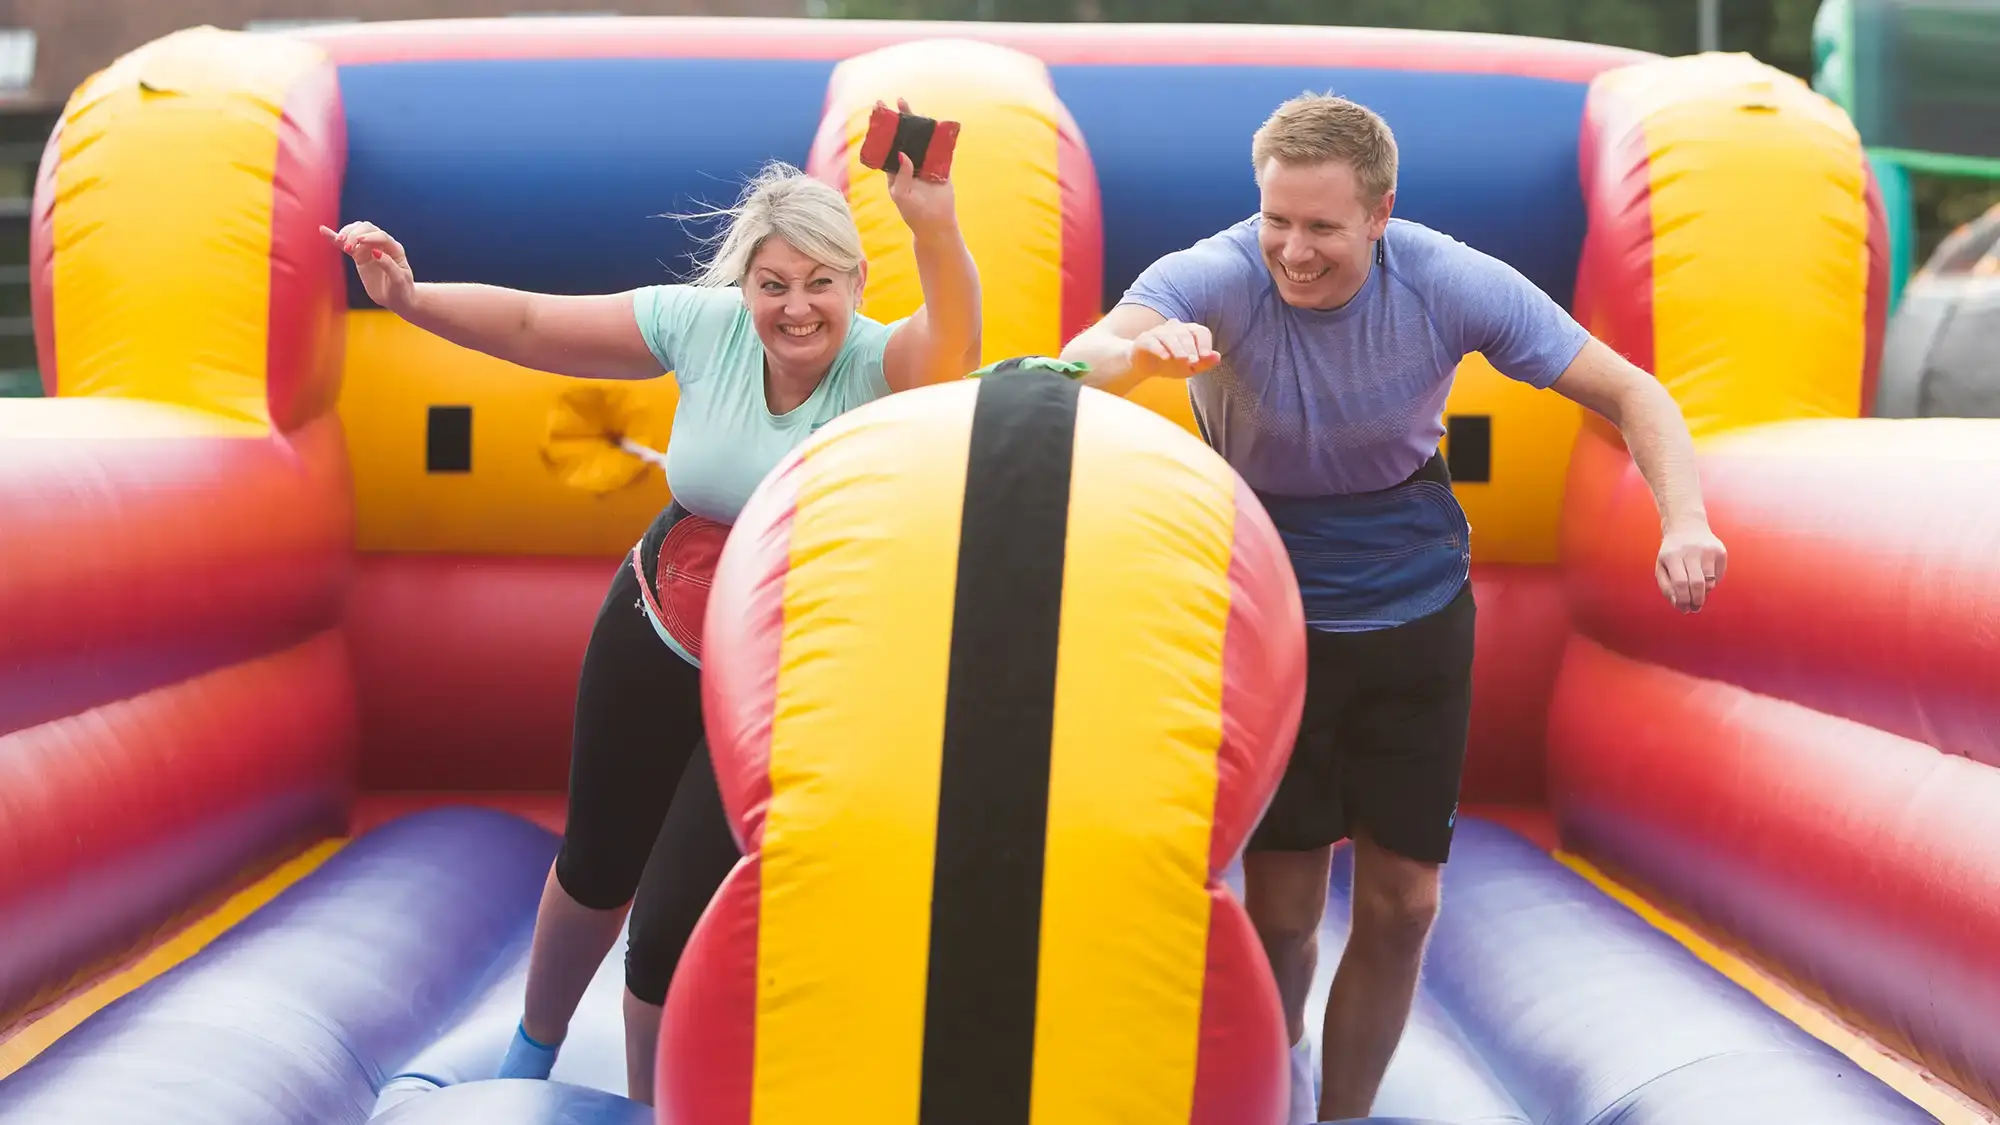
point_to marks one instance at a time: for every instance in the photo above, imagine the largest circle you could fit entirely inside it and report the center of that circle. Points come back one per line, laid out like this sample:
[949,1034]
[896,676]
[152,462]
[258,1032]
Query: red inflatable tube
[1863,865]
[1242,1024]
[129,563]
[1082,229]
[709,1025]
[42,258]
[1064,44]
[1614,275]
[118,819]
[1876,311]
[1860,576]
[307,334]
[465,669]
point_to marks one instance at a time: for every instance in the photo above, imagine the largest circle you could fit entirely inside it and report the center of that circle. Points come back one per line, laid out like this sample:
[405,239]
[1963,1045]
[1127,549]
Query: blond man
[1319,337]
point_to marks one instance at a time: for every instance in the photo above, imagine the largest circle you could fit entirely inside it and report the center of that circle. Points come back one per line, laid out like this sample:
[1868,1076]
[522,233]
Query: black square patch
[448,440]
[1469,447]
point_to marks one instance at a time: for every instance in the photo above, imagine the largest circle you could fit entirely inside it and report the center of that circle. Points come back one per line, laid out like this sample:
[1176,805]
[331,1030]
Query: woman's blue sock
[527,1058]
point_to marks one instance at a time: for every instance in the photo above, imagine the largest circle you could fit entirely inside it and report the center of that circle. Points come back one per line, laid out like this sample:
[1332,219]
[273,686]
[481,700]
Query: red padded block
[1522,627]
[466,668]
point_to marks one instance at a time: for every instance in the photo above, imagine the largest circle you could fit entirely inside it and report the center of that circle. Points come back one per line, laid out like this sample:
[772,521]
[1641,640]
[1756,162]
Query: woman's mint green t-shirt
[725,438]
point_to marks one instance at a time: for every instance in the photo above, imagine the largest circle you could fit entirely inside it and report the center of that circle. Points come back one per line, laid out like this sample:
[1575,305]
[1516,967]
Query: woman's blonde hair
[781,200]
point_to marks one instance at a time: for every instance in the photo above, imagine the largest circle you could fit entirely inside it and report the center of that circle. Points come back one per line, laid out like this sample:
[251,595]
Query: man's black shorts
[1382,741]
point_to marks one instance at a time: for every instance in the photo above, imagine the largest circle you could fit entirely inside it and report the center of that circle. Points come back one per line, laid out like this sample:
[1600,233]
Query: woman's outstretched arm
[592,336]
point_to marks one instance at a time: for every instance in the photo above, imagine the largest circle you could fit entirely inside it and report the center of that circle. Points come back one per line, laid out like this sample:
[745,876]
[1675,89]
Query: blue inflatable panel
[1490,159]
[519,1101]
[554,175]
[296,1014]
[1590,1016]
[557,174]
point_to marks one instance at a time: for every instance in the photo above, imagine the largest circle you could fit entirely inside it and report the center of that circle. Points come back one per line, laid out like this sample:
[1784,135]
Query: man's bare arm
[1134,343]
[1691,558]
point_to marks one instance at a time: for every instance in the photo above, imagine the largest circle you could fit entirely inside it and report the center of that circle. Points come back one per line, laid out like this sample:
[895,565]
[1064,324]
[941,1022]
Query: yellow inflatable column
[1027,197]
[1730,246]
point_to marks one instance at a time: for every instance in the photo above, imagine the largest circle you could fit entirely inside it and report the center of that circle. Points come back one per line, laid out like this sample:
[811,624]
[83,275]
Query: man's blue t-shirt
[1315,406]
[1313,402]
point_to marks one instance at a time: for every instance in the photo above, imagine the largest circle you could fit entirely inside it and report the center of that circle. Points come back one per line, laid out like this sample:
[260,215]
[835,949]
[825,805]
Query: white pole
[1709,31]
[643,452]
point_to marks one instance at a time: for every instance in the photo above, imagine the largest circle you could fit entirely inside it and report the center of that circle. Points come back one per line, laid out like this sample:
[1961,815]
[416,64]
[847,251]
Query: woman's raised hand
[927,206]
[379,259]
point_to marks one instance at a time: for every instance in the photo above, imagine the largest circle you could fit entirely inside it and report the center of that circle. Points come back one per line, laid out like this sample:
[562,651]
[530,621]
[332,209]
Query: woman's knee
[649,970]
[595,883]
[658,937]
[695,855]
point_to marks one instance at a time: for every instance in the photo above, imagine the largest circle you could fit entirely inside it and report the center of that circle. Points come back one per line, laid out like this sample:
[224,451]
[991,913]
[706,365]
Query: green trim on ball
[1033,363]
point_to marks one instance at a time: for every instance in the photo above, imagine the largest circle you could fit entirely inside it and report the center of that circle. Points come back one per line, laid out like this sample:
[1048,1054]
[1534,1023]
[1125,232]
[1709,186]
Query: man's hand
[1133,343]
[1691,558]
[1173,350]
[1691,562]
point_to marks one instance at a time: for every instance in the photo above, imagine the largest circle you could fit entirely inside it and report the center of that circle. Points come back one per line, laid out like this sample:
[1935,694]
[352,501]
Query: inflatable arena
[293,598]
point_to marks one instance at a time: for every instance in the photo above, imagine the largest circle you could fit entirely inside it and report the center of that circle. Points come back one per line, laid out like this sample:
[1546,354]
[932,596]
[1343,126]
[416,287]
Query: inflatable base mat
[384,986]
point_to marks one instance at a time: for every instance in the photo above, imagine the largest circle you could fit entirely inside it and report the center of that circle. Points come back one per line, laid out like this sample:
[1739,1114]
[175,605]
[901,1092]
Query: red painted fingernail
[378,253]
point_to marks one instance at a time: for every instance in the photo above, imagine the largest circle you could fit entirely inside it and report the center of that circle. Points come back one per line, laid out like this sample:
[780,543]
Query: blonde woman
[767,345]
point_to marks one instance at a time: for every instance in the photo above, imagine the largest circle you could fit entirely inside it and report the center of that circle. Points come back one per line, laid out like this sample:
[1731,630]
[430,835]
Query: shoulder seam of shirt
[1423,302]
[1252,263]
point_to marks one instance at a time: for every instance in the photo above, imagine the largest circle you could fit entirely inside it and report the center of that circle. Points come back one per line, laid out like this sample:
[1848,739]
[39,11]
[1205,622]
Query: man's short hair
[1319,128]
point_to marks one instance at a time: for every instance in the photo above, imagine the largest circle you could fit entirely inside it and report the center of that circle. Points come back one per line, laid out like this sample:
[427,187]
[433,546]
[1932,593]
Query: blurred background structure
[48,47]
[1924,91]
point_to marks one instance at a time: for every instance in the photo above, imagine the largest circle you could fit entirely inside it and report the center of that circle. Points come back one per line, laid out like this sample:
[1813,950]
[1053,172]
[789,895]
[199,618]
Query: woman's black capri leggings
[646,823]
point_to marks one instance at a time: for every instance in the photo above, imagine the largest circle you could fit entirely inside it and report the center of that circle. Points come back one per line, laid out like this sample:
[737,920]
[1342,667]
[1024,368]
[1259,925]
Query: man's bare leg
[1285,896]
[1395,901]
